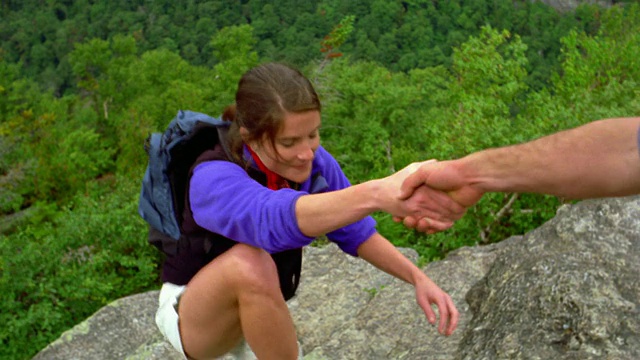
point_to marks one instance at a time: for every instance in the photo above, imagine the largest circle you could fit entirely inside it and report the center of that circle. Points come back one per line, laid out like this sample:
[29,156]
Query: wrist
[418,277]
[371,195]
[378,195]
[470,171]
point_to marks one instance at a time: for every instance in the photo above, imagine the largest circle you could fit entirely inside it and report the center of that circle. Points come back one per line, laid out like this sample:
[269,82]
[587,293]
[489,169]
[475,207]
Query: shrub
[55,274]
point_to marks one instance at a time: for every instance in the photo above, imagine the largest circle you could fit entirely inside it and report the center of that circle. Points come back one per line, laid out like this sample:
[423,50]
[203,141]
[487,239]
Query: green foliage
[375,107]
[419,79]
[161,83]
[55,274]
[66,165]
[599,77]
[401,35]
[374,291]
[89,61]
[233,46]
[337,37]
[54,157]
[11,192]
[602,70]
[490,77]
[392,119]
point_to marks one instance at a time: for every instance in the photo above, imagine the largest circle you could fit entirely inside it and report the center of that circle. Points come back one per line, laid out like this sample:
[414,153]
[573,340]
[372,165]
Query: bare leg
[237,294]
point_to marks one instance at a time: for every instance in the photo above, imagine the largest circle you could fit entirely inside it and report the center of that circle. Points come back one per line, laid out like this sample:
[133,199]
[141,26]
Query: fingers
[454,317]
[443,204]
[428,311]
[444,316]
[425,225]
[449,315]
[432,226]
[434,204]
[411,183]
[410,222]
[415,179]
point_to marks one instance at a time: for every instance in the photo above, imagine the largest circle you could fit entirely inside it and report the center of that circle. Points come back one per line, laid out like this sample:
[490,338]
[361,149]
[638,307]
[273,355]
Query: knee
[253,270]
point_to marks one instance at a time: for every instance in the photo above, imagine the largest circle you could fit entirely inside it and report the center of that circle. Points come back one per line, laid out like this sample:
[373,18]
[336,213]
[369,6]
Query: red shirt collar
[274,181]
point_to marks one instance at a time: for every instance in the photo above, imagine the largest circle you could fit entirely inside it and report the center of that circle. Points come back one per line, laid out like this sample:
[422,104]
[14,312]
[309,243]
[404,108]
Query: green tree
[490,77]
[470,108]
[233,48]
[57,273]
[598,78]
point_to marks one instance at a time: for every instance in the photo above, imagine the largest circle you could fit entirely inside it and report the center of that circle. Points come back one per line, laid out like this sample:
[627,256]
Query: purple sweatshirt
[226,201]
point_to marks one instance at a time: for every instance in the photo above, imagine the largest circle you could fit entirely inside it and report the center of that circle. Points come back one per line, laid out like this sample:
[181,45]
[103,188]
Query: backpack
[162,197]
[171,155]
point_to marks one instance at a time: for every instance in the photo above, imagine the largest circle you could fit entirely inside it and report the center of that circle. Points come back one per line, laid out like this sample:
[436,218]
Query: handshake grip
[441,193]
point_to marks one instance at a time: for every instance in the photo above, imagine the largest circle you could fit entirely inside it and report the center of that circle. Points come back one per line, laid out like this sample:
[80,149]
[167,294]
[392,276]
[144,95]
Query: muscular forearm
[594,160]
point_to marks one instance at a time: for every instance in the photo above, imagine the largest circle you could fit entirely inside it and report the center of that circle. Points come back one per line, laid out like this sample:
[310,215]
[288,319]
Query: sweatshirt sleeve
[226,201]
[349,237]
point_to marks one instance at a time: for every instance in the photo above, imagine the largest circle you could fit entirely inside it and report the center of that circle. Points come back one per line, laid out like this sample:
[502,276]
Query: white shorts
[167,314]
[167,321]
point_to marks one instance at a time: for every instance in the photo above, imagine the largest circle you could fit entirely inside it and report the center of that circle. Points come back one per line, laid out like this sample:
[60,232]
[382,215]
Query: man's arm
[598,159]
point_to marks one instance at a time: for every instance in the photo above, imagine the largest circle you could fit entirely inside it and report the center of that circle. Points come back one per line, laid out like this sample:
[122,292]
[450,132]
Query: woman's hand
[444,176]
[379,252]
[437,209]
[428,293]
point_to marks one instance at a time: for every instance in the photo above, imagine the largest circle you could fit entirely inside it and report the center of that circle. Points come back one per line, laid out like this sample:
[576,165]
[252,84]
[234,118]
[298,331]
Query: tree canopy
[83,83]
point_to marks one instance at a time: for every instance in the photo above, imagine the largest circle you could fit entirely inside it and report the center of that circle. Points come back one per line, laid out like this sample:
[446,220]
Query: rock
[350,310]
[570,289]
[567,290]
[124,329]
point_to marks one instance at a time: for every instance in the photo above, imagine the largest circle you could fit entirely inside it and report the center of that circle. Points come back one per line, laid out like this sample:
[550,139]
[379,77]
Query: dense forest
[83,83]
[400,35]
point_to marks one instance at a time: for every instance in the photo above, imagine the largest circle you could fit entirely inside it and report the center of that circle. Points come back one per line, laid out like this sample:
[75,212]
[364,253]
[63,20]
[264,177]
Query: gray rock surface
[570,289]
[567,290]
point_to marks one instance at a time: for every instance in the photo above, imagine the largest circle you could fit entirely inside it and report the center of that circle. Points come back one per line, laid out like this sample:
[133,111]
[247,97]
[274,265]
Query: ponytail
[234,140]
[229,113]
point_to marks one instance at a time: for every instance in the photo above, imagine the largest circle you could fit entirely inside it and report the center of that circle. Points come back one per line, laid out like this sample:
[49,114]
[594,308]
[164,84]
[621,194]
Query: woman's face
[295,146]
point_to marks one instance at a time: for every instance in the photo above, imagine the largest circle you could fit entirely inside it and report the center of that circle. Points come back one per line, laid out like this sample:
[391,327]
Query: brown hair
[266,94]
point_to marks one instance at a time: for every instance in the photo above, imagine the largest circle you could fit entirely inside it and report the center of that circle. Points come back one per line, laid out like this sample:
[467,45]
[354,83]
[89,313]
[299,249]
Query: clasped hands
[430,196]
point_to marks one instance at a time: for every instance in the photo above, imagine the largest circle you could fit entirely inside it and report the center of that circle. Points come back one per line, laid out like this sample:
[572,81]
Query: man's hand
[425,203]
[443,176]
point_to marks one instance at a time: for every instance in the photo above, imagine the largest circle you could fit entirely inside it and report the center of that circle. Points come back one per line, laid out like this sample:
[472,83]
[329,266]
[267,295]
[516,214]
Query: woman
[249,213]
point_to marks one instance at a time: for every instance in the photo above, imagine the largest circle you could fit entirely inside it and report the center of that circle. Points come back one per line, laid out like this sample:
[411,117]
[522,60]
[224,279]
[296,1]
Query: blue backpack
[171,155]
